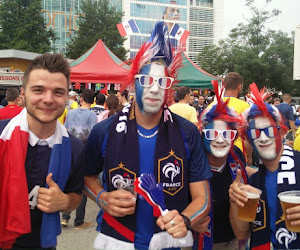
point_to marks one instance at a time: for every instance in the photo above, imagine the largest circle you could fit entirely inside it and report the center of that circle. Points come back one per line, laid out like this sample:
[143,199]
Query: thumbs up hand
[51,199]
[236,194]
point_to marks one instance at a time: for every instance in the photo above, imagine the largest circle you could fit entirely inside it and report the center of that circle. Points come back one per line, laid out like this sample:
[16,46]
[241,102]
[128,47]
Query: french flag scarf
[14,205]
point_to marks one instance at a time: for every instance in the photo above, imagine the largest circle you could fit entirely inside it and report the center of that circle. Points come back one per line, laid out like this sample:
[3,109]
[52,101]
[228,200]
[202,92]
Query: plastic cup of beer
[248,211]
[289,199]
[128,186]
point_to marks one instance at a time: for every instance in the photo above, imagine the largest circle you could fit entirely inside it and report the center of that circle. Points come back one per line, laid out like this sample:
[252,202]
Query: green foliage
[23,26]
[260,55]
[97,21]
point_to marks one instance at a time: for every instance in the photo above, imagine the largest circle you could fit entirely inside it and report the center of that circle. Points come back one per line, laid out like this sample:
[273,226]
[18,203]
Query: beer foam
[251,195]
[290,198]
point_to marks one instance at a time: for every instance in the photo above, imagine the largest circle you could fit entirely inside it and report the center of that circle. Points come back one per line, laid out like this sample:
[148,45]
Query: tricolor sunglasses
[212,134]
[147,81]
[254,133]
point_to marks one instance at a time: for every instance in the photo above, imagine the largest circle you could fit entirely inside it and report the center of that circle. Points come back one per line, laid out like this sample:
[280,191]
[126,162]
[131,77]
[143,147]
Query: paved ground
[79,239]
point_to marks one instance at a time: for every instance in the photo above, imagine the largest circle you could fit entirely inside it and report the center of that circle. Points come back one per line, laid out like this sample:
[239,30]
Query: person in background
[233,83]
[146,138]
[41,164]
[63,117]
[113,107]
[219,128]
[12,109]
[80,122]
[200,106]
[192,99]
[278,171]
[72,103]
[123,97]
[4,102]
[99,107]
[297,120]
[182,108]
[276,101]
[21,102]
[287,112]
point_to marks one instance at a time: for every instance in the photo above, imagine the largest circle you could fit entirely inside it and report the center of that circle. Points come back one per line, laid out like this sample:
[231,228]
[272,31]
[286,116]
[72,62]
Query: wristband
[187,222]
[98,196]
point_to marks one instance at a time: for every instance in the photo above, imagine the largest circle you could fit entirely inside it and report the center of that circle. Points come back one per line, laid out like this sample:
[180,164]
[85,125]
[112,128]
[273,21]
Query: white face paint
[220,147]
[265,146]
[153,97]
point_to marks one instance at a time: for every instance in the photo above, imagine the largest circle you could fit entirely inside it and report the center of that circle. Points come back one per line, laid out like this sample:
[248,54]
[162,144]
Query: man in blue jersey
[41,165]
[278,171]
[147,138]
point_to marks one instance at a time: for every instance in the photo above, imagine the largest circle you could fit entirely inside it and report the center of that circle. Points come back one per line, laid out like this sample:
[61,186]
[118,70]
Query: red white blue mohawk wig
[220,111]
[262,108]
[158,47]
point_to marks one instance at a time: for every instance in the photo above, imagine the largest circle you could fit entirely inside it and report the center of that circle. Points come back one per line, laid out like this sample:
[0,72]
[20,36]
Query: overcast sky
[234,10]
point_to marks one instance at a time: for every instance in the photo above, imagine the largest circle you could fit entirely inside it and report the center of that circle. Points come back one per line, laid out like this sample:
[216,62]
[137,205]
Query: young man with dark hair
[46,177]
[99,107]
[192,99]
[12,109]
[80,122]
[183,108]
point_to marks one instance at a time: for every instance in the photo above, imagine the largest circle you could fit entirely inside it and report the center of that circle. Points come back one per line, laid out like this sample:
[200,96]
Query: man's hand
[236,194]
[202,226]
[293,214]
[52,199]
[118,203]
[173,223]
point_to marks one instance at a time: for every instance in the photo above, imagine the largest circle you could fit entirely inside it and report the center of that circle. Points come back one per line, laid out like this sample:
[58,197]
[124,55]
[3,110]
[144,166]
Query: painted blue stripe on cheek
[139,94]
[206,142]
[139,89]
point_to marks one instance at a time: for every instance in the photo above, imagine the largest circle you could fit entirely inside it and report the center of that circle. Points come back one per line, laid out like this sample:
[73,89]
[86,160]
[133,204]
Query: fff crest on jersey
[120,175]
[257,224]
[170,173]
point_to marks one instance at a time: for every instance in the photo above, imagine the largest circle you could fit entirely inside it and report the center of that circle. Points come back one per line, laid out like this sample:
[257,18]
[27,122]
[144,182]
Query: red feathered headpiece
[220,110]
[261,108]
[157,48]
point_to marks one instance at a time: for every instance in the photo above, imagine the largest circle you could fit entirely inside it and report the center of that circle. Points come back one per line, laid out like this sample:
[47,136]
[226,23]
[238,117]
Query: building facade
[203,18]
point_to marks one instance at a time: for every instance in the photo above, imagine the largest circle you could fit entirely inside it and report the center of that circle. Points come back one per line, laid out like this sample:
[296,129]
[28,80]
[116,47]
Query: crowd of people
[58,148]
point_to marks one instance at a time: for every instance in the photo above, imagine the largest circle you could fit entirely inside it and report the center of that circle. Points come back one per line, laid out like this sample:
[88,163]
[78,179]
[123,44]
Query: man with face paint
[218,125]
[171,14]
[146,137]
[279,171]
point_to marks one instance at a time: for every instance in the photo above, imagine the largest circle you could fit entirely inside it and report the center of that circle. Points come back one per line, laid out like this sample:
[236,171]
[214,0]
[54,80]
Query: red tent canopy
[98,65]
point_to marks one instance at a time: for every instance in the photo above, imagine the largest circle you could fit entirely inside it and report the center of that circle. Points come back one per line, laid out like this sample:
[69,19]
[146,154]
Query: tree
[261,55]
[97,21]
[23,26]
